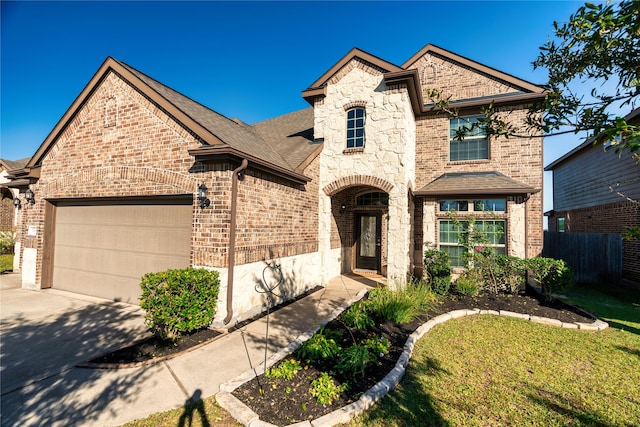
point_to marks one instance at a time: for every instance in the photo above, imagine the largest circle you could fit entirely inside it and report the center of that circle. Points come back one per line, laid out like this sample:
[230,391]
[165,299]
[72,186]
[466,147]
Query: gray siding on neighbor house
[584,179]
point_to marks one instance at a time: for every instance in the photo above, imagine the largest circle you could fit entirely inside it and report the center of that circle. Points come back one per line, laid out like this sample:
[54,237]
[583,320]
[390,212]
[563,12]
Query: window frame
[355,141]
[468,140]
[448,245]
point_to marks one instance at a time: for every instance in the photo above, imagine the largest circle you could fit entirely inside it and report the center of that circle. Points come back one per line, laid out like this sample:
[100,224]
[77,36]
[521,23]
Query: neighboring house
[360,182]
[598,191]
[8,208]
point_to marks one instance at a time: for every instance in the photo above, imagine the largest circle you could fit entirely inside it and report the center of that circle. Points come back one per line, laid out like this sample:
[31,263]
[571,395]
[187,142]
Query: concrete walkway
[44,334]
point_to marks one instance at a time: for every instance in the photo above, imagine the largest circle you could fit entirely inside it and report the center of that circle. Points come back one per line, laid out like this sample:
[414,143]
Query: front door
[368,241]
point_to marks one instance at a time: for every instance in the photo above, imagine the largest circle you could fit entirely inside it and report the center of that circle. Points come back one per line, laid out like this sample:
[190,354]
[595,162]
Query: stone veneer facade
[386,162]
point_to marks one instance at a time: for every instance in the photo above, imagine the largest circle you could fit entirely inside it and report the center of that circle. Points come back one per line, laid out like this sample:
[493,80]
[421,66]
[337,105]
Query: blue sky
[249,60]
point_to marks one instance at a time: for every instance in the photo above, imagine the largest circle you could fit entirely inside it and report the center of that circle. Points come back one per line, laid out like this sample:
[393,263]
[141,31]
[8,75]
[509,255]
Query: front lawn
[487,370]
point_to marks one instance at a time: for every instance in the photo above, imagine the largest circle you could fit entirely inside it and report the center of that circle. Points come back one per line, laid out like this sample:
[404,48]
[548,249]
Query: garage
[102,248]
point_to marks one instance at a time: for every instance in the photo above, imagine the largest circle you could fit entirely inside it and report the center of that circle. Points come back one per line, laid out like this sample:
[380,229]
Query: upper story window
[355,127]
[475,144]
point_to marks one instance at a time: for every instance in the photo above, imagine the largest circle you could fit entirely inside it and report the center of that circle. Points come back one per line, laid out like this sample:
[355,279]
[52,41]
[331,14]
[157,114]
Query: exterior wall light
[343,208]
[202,196]
[29,197]
[16,203]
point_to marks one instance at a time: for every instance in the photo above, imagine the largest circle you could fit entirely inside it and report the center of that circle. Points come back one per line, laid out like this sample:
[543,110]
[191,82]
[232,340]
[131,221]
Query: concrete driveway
[43,334]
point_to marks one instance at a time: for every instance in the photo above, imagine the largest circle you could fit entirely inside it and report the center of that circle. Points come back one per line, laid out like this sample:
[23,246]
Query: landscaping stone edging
[246,416]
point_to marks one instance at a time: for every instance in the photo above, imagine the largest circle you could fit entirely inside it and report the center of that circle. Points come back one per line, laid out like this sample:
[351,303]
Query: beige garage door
[104,249]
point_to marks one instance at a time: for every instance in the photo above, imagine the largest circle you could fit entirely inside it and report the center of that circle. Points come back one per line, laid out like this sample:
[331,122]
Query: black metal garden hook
[265,288]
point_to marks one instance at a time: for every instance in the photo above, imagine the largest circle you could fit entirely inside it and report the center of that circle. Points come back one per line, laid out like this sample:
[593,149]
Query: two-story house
[136,177]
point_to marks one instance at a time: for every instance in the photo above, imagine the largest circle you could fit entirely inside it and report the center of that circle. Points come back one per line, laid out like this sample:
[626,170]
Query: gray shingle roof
[461,183]
[283,141]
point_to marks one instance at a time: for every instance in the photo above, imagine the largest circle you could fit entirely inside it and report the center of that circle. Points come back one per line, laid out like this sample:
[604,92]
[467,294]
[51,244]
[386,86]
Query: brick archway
[355,181]
[178,182]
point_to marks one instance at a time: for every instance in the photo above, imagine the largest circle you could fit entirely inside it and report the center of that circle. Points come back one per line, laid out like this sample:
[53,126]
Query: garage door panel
[104,250]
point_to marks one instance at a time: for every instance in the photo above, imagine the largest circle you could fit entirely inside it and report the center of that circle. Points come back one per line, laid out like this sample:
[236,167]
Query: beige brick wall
[456,80]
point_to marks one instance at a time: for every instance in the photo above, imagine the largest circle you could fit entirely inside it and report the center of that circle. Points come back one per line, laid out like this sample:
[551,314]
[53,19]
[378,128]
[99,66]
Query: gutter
[238,175]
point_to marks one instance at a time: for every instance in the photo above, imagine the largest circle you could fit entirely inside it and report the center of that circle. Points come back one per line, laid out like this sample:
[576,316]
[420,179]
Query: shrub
[468,283]
[322,345]
[7,242]
[6,262]
[437,269]
[325,390]
[391,306]
[510,273]
[402,305]
[553,275]
[178,302]
[286,370]
[356,317]
[358,357]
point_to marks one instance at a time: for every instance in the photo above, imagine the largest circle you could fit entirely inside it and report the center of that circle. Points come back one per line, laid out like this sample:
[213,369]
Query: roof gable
[317,88]
[430,77]
[210,127]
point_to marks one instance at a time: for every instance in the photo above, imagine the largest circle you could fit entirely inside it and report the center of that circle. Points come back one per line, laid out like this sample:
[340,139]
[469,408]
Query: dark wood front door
[368,240]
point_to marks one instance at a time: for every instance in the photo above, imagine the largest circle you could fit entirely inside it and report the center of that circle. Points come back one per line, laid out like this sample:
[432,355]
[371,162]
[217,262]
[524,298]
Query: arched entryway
[360,216]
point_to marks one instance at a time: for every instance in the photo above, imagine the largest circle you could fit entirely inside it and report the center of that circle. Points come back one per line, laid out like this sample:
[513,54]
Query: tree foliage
[600,43]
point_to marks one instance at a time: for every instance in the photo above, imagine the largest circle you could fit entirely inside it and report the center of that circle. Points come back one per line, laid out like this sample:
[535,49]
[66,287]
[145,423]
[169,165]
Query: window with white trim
[450,233]
[474,145]
[355,127]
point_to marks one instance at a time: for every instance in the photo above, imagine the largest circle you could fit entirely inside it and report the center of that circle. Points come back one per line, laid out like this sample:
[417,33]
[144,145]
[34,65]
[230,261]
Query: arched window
[373,199]
[355,127]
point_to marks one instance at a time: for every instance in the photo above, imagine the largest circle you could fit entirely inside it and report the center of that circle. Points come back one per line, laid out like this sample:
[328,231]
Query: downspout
[237,175]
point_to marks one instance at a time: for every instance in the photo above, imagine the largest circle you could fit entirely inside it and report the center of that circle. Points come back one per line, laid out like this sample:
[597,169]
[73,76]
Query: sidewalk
[90,397]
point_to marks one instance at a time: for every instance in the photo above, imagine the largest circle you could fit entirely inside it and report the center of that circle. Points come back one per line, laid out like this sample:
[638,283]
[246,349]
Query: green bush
[356,317]
[389,305]
[553,275]
[178,302]
[325,390]
[286,370]
[467,283]
[7,242]
[510,273]
[437,268]
[6,262]
[400,306]
[322,345]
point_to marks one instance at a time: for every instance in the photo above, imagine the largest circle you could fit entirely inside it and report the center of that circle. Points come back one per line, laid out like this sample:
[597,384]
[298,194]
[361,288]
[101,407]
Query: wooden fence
[594,258]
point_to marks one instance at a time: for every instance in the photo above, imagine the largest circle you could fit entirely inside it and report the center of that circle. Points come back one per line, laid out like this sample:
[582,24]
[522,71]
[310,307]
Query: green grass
[487,370]
[6,262]
[204,413]
[618,306]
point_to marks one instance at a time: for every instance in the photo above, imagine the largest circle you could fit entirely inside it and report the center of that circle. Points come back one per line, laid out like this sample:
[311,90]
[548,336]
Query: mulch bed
[152,350]
[282,402]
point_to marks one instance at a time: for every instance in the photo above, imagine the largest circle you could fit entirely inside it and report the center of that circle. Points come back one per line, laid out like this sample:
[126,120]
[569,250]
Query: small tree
[552,275]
